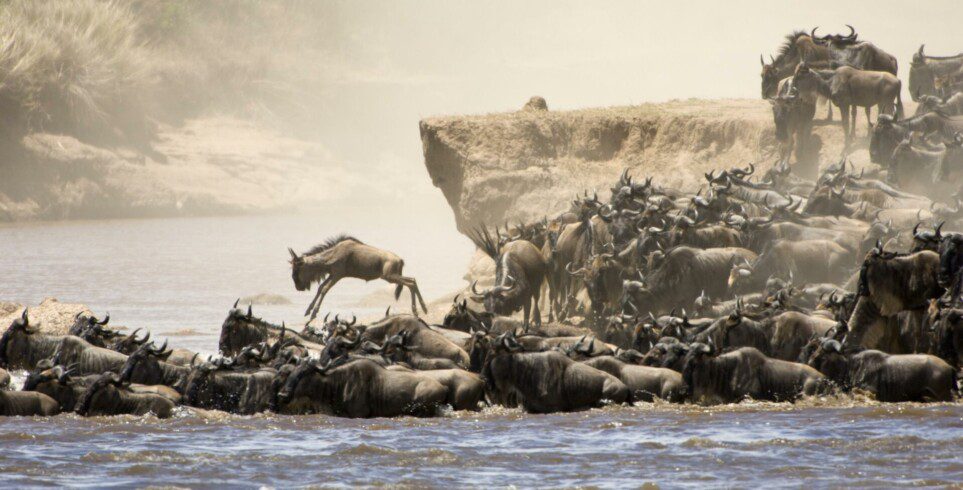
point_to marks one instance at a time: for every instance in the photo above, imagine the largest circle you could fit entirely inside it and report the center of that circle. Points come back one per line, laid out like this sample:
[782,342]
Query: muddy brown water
[172,275]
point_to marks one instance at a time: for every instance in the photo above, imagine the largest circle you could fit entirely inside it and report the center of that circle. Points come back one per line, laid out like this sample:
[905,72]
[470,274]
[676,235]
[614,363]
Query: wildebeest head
[299,273]
[922,80]
[127,344]
[927,240]
[102,392]
[83,322]
[143,363]
[199,384]
[827,201]
[307,367]
[478,347]
[885,136]
[499,299]
[770,77]
[239,330]
[828,358]
[784,107]
[836,39]
[339,346]
[696,355]
[951,259]
[459,316]
[15,339]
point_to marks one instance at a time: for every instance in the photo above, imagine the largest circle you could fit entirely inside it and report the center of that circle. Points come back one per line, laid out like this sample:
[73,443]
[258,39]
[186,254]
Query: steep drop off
[527,164]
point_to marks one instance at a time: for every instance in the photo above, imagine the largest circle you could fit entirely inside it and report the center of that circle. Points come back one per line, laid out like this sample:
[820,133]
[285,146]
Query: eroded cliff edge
[527,164]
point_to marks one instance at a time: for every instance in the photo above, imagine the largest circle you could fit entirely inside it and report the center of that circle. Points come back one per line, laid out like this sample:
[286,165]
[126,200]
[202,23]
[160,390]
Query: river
[179,277]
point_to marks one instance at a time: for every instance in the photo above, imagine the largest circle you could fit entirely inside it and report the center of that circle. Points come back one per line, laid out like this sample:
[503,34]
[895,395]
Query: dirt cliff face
[528,164]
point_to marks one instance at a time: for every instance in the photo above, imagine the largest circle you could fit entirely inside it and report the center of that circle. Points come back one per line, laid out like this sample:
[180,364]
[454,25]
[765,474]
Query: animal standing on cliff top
[344,256]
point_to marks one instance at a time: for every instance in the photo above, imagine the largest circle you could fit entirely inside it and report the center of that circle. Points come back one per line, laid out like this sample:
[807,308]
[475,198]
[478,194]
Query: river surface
[179,277]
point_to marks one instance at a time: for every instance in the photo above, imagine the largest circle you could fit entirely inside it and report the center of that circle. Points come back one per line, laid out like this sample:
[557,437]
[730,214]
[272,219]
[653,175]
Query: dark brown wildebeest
[27,403]
[685,273]
[520,269]
[852,87]
[890,283]
[345,256]
[111,396]
[22,347]
[792,114]
[891,378]
[846,50]
[645,383]
[358,388]
[797,48]
[951,105]
[746,373]
[925,70]
[810,261]
[546,382]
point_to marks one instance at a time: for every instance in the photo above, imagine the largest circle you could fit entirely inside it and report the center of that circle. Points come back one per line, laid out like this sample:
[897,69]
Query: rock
[51,316]
[529,164]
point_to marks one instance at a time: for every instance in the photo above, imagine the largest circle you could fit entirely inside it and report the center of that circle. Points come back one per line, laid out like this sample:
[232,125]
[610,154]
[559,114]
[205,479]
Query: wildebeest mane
[330,242]
[788,48]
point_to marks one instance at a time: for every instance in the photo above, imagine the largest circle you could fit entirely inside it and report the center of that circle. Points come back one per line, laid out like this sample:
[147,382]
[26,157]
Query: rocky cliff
[530,163]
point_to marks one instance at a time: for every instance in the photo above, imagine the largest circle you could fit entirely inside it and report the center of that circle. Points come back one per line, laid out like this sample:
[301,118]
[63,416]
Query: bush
[73,66]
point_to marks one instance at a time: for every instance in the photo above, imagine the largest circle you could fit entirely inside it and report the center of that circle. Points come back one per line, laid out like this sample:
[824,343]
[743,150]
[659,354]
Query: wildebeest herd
[768,285]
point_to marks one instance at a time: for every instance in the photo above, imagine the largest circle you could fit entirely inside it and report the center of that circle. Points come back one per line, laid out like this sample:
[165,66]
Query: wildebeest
[891,378]
[345,256]
[851,87]
[217,386]
[925,70]
[888,284]
[545,382]
[810,261]
[358,388]
[889,132]
[645,383]
[108,395]
[746,372]
[22,347]
[520,269]
[420,338]
[684,273]
[847,50]
[26,404]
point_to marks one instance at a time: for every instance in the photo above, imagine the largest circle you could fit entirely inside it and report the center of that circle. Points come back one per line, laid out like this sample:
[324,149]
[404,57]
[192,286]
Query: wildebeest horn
[812,34]
[475,292]
[580,271]
[294,256]
[354,320]
[938,228]
[920,52]
[105,320]
[852,32]
[250,311]
[235,303]
[916,228]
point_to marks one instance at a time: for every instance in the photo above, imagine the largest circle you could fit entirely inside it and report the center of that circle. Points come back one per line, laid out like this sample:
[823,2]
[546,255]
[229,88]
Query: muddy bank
[526,164]
[213,166]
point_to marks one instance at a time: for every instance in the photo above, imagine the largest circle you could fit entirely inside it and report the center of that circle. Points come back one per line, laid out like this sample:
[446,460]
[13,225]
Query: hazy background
[392,63]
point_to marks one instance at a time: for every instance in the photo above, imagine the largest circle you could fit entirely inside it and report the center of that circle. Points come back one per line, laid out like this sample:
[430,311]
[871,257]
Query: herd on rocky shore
[770,287]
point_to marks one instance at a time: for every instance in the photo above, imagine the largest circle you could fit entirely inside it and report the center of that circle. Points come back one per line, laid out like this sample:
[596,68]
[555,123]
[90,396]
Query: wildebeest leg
[870,130]
[527,309]
[844,113]
[412,285]
[323,290]
[537,312]
[316,296]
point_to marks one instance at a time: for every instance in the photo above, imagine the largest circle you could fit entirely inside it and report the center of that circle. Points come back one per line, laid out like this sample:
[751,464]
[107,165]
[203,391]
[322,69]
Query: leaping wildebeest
[345,256]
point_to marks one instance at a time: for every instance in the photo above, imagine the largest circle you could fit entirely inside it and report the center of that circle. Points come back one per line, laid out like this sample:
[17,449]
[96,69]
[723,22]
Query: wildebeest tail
[484,240]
